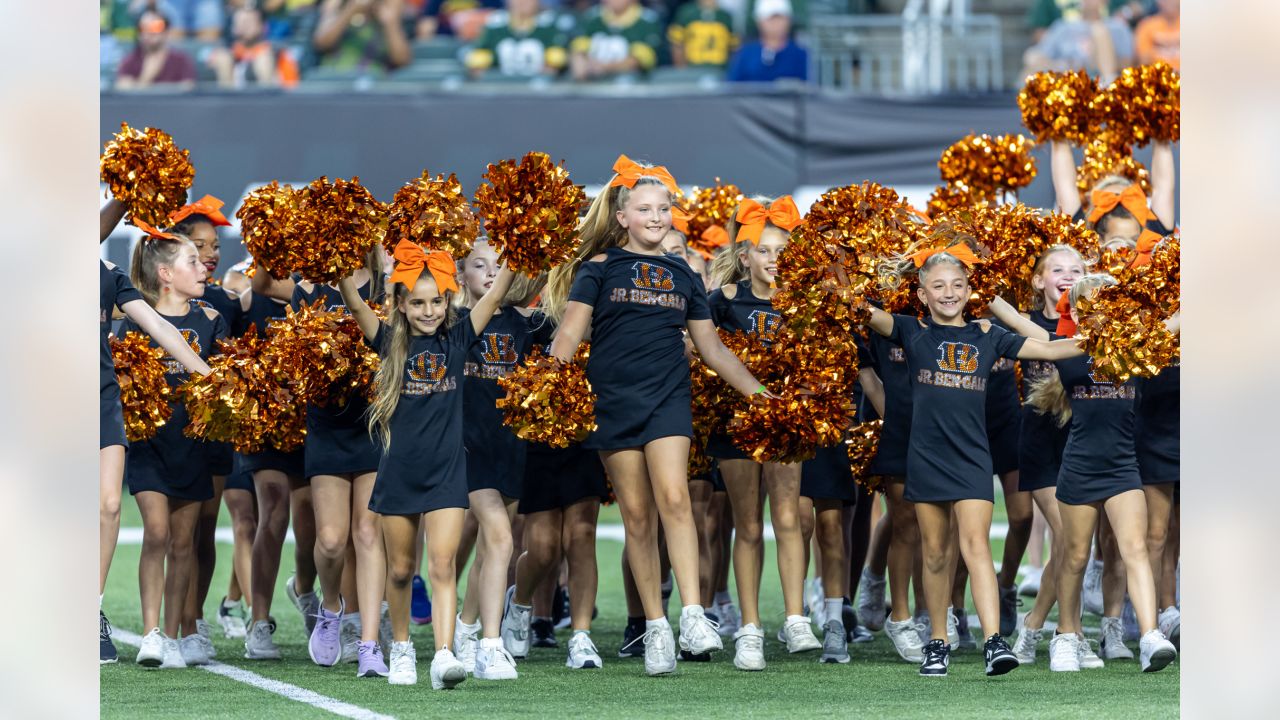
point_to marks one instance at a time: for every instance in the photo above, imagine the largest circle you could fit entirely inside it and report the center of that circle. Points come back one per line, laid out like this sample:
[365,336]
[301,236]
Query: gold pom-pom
[245,399]
[951,197]
[265,218]
[861,446]
[710,209]
[1123,325]
[530,212]
[434,213]
[989,164]
[147,173]
[144,392]
[333,229]
[549,401]
[322,353]
[1145,104]
[1107,154]
[1060,106]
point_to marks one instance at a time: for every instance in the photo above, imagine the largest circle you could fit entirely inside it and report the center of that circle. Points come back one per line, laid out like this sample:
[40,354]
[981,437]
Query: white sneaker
[1025,643]
[1155,651]
[799,635]
[202,630]
[1091,590]
[308,604]
[231,616]
[748,648]
[1064,653]
[446,671]
[730,618]
[403,668]
[871,605]
[905,635]
[191,649]
[1089,659]
[349,635]
[814,596]
[660,650]
[924,627]
[698,634]
[1030,585]
[1170,623]
[466,643]
[258,643]
[582,653]
[953,630]
[515,627]
[1113,647]
[173,655]
[493,662]
[151,651]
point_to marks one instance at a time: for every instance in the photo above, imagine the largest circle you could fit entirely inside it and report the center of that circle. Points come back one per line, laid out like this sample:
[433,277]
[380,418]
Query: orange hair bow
[152,232]
[1131,198]
[411,260]
[1066,326]
[208,206]
[960,252]
[629,173]
[752,216]
[1147,242]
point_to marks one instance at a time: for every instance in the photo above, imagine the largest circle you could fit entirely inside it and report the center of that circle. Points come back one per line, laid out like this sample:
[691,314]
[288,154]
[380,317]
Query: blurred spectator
[617,38]
[361,34]
[1158,37]
[775,55]
[523,41]
[199,19]
[1094,42]
[1044,13]
[153,64]
[120,17]
[464,19]
[251,60]
[701,35]
[799,16]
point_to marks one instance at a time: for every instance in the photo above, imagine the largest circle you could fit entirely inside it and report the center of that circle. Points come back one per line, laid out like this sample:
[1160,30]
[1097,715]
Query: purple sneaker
[371,662]
[326,638]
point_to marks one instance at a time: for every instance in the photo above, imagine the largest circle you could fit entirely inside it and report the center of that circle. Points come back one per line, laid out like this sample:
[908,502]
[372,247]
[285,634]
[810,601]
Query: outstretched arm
[365,317]
[873,389]
[1034,349]
[486,306]
[1163,183]
[163,332]
[881,322]
[267,286]
[719,358]
[1062,163]
[1013,319]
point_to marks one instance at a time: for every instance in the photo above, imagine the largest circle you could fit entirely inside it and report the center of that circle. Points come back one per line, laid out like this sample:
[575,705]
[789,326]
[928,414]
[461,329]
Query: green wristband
[761,389]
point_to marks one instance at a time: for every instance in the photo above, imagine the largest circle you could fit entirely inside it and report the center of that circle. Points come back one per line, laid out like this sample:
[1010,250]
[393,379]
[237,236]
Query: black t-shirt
[1035,369]
[201,332]
[948,457]
[1101,443]
[744,312]
[114,290]
[890,363]
[262,310]
[216,297]
[507,340]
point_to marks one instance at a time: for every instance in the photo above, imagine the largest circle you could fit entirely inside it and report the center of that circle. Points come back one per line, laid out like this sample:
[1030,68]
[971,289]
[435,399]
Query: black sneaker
[560,617]
[690,657]
[937,656]
[1000,659]
[106,648]
[848,615]
[544,633]
[631,647]
[1009,610]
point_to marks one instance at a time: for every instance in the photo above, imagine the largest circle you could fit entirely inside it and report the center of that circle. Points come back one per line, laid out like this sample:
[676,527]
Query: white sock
[490,643]
[722,598]
[691,610]
[521,608]
[834,607]
[659,624]
[229,604]
[581,632]
[468,626]
[797,618]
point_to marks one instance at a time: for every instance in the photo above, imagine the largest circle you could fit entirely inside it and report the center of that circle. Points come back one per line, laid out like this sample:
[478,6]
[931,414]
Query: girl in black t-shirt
[417,414]
[948,463]
[1099,473]
[637,303]
[1116,206]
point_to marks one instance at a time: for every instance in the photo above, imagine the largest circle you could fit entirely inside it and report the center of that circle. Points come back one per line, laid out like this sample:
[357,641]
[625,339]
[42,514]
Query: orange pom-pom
[710,209]
[549,401]
[144,391]
[1145,104]
[530,212]
[861,446]
[434,213]
[265,218]
[333,229]
[322,354]
[1122,326]
[1060,106]
[147,173]
[989,164]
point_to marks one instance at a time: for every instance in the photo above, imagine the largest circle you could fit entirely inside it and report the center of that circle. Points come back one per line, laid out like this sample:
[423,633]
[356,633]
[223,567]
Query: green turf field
[875,683]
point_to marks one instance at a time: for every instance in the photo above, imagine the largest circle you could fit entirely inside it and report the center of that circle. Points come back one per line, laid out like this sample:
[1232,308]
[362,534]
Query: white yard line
[613,531]
[275,687]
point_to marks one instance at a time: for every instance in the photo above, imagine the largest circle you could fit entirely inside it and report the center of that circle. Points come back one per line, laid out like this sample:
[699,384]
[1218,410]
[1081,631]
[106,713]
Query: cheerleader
[115,290]
[1156,429]
[169,474]
[637,303]
[758,232]
[417,414]
[1099,473]
[948,463]
[495,466]
[1117,208]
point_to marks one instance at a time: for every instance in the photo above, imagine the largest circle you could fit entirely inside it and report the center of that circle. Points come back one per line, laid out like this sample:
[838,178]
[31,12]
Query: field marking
[275,687]
[611,531]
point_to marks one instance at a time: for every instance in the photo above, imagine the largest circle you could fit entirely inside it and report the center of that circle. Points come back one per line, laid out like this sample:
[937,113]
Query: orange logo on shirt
[764,323]
[499,349]
[957,357]
[652,277]
[427,367]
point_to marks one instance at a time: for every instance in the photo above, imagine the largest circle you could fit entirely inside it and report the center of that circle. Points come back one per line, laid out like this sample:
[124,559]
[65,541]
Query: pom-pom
[952,197]
[245,399]
[147,173]
[1107,154]
[265,218]
[333,229]
[434,213]
[530,212]
[549,401]
[989,164]
[710,209]
[1123,325]
[144,392]
[321,354]
[861,446]
[1145,104]
[1060,106]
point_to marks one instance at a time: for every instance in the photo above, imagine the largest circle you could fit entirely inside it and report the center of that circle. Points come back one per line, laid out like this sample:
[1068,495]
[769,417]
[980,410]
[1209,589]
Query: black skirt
[497,464]
[618,429]
[111,420]
[555,478]
[239,478]
[828,476]
[1002,439]
[721,447]
[171,464]
[1085,489]
[221,458]
[339,444]
[1040,445]
[290,463]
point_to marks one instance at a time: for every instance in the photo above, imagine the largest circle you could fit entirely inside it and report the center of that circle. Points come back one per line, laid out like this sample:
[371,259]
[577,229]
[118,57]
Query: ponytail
[149,253]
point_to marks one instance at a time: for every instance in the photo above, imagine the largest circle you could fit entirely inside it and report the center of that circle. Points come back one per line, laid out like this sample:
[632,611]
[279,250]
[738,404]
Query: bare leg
[1128,515]
[1169,576]
[667,462]
[829,532]
[370,556]
[1159,511]
[470,535]
[272,488]
[1071,548]
[304,535]
[495,530]
[154,507]
[1048,594]
[542,533]
[700,504]
[742,478]
[783,484]
[630,477]
[206,553]
[1018,506]
[904,547]
[331,502]
[244,525]
[110,485]
[580,528]
[1113,571]
[936,550]
[181,567]
[974,518]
